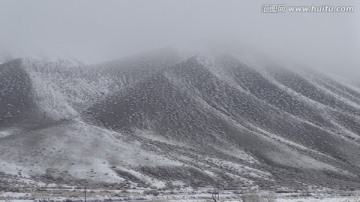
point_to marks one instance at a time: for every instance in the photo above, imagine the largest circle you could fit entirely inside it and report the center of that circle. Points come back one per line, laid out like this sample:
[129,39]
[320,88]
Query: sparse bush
[237,192]
[270,197]
[153,187]
[251,197]
[257,197]
[151,192]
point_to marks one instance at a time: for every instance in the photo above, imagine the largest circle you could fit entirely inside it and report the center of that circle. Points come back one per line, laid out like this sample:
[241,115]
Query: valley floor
[201,196]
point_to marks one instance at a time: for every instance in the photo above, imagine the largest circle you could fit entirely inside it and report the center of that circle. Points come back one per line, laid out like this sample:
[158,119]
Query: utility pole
[85,193]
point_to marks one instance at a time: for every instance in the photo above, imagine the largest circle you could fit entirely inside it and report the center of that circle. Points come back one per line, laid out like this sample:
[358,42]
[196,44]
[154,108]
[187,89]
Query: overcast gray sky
[95,31]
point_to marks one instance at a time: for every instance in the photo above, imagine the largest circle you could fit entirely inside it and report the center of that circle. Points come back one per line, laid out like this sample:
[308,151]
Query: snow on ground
[335,199]
[184,195]
[13,194]
[9,131]
[94,152]
[16,200]
[240,168]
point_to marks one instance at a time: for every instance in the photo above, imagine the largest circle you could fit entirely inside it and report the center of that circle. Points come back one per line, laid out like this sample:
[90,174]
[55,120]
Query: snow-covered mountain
[168,119]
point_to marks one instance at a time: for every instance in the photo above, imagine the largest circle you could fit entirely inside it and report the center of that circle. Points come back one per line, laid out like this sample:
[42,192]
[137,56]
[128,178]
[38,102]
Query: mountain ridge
[163,118]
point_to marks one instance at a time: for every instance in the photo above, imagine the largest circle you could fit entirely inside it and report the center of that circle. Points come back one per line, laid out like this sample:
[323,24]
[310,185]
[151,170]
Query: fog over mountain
[177,96]
[94,32]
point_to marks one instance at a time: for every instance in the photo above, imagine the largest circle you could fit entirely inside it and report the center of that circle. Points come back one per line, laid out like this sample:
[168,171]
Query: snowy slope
[166,119]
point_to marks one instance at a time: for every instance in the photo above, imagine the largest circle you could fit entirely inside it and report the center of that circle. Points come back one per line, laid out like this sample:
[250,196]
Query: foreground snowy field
[350,199]
[77,195]
[343,199]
